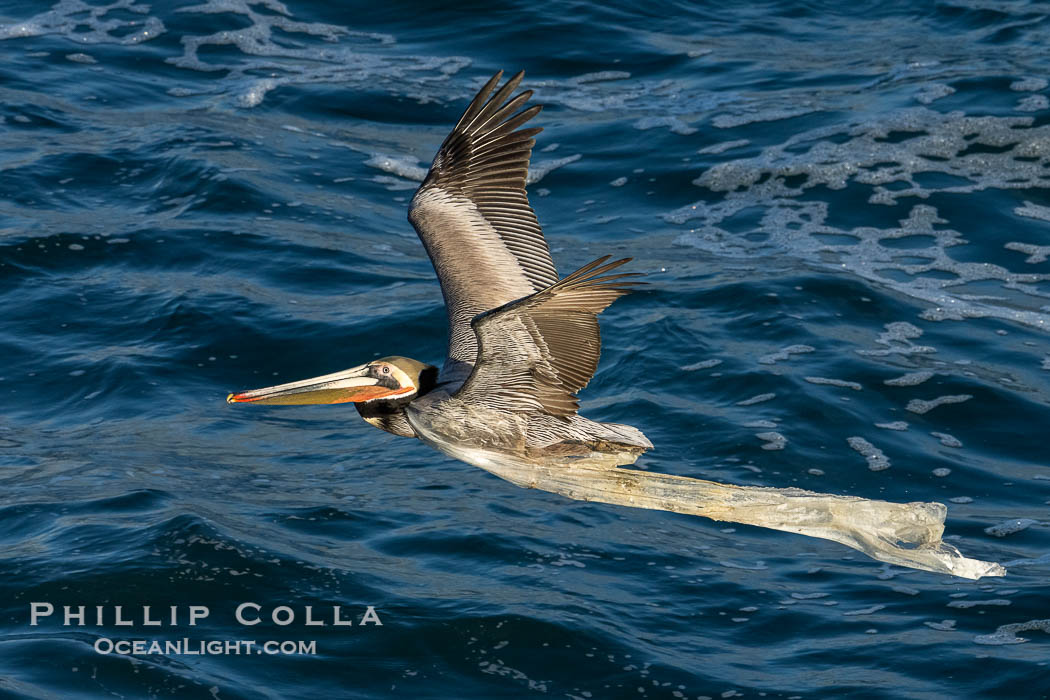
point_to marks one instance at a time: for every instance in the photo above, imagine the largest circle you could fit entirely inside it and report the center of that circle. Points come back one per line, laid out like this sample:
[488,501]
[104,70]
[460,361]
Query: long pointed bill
[340,387]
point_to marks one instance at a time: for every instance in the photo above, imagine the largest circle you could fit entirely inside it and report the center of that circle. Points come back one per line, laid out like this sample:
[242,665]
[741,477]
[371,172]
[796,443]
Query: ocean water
[844,214]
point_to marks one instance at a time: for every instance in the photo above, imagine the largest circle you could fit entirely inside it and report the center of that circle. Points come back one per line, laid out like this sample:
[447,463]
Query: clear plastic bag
[905,534]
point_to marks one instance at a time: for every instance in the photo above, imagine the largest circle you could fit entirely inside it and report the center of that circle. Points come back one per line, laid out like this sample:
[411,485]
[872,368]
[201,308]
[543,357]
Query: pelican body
[521,342]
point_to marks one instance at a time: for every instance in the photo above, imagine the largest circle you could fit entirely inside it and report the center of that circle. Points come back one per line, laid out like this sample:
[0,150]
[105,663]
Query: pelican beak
[355,385]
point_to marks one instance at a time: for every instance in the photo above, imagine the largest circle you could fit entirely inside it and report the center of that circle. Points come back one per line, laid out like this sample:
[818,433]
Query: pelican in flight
[521,342]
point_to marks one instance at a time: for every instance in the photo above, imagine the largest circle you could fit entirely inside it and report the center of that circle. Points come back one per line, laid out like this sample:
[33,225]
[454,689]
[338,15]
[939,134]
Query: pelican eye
[386,369]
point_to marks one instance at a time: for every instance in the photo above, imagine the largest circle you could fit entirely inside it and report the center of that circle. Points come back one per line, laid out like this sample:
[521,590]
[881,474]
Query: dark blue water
[199,198]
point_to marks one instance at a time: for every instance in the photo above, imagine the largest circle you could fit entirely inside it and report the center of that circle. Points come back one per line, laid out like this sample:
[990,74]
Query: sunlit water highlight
[843,212]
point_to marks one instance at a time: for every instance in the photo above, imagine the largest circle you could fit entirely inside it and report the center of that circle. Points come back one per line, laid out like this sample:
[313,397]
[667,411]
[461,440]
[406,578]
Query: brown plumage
[536,353]
[521,343]
[473,199]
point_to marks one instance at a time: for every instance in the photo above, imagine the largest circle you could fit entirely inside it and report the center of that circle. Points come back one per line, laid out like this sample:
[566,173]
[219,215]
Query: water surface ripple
[844,216]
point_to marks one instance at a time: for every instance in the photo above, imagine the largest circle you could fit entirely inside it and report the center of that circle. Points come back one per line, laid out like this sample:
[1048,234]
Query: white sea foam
[85,23]
[253,95]
[871,610]
[1032,103]
[402,166]
[703,364]
[899,158]
[746,566]
[760,398]
[948,441]
[724,146]
[942,626]
[601,76]
[934,91]
[1036,253]
[538,171]
[1033,211]
[785,354]
[675,124]
[752,116]
[610,92]
[319,53]
[410,169]
[1029,85]
[1007,634]
[911,379]
[772,440]
[966,604]
[877,460]
[1009,527]
[897,340]
[834,382]
[921,406]
[394,184]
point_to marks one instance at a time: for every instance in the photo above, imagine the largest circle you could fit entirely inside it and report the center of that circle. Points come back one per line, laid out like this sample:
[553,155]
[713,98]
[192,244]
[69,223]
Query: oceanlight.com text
[203,647]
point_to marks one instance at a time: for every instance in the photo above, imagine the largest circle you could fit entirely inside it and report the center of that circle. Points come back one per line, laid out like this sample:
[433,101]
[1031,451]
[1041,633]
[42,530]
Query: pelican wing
[537,352]
[473,216]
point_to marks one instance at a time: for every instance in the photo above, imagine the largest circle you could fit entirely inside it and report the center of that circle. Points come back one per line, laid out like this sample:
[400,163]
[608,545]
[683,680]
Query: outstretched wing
[474,218]
[537,352]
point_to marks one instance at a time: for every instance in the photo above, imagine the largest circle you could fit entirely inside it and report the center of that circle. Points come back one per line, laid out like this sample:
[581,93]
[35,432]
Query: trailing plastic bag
[905,534]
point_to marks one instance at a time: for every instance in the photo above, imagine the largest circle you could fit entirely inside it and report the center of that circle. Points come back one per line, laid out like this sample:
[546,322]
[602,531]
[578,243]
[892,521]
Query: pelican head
[379,390]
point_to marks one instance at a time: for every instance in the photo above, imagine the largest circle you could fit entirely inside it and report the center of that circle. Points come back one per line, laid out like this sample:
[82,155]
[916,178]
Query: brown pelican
[521,342]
